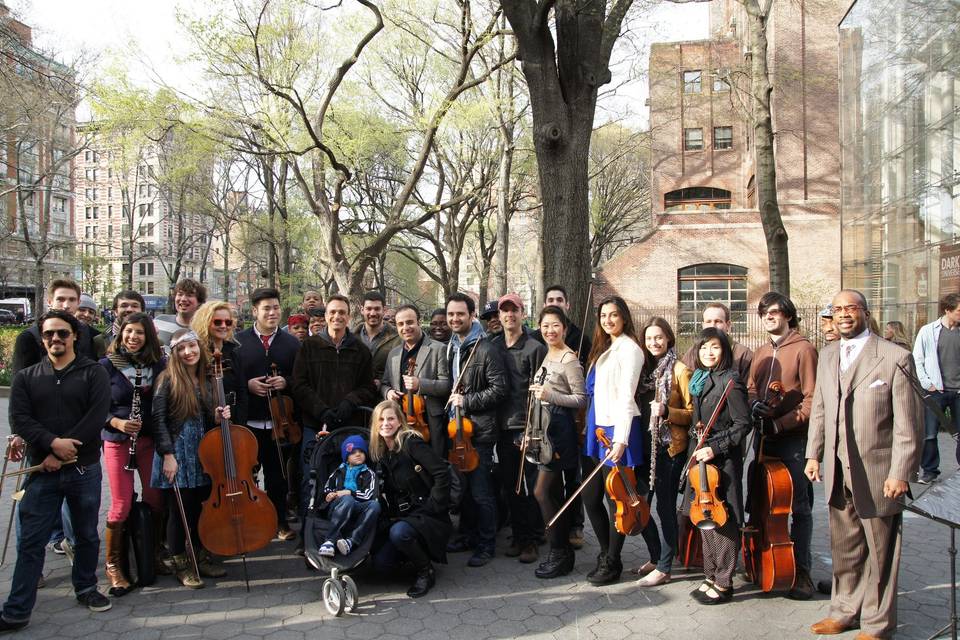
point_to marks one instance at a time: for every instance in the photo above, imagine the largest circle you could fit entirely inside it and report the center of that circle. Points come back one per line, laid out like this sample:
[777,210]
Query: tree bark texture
[563,77]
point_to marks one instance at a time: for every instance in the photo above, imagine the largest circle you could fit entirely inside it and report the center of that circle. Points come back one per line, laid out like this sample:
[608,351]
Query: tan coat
[679,409]
[883,421]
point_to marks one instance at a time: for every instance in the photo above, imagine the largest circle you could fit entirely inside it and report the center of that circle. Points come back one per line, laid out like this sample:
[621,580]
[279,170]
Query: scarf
[698,380]
[352,473]
[122,358]
[664,374]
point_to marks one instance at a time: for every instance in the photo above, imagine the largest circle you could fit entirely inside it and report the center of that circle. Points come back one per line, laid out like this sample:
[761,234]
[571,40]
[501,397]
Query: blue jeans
[402,540]
[39,513]
[362,514]
[663,544]
[792,452]
[63,528]
[930,458]
[478,517]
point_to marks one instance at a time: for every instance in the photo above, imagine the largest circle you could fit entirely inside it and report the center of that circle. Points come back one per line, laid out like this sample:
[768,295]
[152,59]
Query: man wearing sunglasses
[62,294]
[58,406]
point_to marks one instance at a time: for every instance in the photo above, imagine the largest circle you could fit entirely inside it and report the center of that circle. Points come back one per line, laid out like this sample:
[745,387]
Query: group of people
[624,398]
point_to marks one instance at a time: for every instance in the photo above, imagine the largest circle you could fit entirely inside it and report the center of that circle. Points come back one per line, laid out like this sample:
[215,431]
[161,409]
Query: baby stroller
[339,591]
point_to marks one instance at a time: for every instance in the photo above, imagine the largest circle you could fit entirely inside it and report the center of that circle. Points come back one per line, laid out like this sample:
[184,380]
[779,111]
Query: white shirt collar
[858,340]
[260,335]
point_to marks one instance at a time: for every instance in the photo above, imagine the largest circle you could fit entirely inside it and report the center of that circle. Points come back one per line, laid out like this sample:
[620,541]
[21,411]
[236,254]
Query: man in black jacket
[262,346]
[63,294]
[523,357]
[58,407]
[332,378]
[483,388]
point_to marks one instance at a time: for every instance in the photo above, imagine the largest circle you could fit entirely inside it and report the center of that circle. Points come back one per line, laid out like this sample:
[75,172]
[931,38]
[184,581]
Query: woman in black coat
[416,491]
[722,449]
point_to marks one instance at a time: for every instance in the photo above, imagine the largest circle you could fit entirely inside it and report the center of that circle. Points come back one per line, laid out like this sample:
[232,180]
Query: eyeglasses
[772,312]
[219,322]
[847,308]
[63,334]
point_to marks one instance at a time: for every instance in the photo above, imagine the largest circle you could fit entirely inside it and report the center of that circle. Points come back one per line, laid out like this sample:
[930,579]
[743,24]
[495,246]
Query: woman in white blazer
[614,370]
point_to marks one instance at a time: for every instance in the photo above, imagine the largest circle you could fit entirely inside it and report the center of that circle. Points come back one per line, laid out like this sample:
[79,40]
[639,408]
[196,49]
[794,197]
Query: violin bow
[456,385]
[586,311]
[573,496]
[711,421]
[186,528]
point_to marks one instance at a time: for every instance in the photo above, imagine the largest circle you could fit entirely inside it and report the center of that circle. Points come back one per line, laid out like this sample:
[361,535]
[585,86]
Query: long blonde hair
[183,402]
[378,446]
[203,318]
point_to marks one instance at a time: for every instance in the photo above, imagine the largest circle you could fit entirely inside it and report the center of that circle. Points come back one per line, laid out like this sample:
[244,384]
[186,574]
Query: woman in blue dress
[183,410]
[615,364]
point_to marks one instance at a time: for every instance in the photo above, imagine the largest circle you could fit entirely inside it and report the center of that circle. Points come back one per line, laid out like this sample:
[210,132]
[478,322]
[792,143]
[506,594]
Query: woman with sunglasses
[134,361]
[214,325]
[184,408]
[615,364]
[722,449]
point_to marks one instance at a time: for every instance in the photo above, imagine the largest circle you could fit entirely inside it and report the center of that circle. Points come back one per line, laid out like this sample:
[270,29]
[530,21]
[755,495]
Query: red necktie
[266,342]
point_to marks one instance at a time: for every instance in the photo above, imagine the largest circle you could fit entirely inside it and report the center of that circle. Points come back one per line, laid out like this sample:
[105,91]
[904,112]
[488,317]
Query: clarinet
[136,413]
[654,436]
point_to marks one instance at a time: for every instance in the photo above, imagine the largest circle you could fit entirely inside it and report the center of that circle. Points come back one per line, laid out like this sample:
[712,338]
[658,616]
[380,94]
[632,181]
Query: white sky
[109,27]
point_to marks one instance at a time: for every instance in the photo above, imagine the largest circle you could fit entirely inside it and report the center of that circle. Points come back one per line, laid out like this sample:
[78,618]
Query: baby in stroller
[353,493]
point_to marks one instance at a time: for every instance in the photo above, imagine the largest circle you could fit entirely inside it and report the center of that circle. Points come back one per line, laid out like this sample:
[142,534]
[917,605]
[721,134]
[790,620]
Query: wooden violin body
[707,510]
[414,407]
[462,454]
[767,549]
[238,517]
[286,430]
[632,510]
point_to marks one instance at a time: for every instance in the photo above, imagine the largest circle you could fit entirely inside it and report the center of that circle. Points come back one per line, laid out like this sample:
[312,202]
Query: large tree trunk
[778,258]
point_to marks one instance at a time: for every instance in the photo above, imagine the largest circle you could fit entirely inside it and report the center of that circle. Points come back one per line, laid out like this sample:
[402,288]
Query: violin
[706,509]
[767,549]
[286,430]
[414,408]
[462,454]
[238,517]
[633,512]
[537,446]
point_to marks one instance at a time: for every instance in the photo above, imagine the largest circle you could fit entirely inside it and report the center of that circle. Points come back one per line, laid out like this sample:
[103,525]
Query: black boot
[426,578]
[559,562]
[802,586]
[607,573]
[601,559]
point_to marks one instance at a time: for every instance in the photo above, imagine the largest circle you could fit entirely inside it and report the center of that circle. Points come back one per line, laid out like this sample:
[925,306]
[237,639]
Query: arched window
[701,284]
[696,199]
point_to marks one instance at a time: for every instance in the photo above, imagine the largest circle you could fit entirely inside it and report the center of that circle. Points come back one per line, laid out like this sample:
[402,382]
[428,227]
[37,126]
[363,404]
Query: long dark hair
[602,341]
[726,357]
[151,352]
[650,362]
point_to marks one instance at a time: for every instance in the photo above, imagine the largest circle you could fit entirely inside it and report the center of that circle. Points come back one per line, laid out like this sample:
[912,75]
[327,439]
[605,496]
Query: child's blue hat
[351,444]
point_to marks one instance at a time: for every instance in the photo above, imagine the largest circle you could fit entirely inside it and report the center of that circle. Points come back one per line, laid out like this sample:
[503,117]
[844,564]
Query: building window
[691,81]
[96,213]
[88,213]
[59,204]
[720,83]
[146,268]
[693,139]
[723,137]
[751,193]
[702,284]
[696,199]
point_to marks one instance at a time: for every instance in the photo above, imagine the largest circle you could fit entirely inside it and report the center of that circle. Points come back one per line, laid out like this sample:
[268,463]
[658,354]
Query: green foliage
[8,335]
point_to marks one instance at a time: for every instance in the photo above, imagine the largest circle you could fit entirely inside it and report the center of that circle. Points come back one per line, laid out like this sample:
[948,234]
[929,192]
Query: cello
[414,407]
[767,549]
[633,512]
[238,517]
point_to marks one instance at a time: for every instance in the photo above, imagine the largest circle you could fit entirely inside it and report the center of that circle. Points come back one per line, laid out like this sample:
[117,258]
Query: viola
[286,430]
[767,549]
[414,408]
[238,517]
[706,509]
[633,512]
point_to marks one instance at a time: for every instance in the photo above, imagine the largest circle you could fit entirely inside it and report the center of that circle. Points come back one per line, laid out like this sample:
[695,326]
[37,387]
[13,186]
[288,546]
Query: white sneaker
[344,546]
[654,578]
[327,550]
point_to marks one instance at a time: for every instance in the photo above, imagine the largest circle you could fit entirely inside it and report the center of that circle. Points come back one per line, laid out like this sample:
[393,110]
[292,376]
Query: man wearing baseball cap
[524,357]
[490,317]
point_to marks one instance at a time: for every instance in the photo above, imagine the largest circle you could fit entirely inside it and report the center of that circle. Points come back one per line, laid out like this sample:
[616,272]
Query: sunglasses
[218,322]
[63,334]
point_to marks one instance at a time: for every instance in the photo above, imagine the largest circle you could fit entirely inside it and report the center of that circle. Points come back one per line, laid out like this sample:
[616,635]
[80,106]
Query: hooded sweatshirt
[793,363]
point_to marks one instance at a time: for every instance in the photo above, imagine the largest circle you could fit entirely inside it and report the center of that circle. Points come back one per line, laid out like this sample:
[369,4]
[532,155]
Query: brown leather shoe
[866,636]
[830,627]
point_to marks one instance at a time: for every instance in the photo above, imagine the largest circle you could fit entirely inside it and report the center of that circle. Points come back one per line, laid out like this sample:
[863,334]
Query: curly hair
[203,318]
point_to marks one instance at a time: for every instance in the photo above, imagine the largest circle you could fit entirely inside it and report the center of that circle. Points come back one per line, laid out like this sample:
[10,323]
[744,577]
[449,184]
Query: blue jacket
[925,355]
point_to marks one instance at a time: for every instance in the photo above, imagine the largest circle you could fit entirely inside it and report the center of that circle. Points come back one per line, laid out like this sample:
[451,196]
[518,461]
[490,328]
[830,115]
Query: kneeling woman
[183,410]
[416,489]
[723,449]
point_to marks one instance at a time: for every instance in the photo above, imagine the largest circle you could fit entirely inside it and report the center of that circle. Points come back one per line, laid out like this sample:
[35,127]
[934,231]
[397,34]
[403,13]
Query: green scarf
[697,381]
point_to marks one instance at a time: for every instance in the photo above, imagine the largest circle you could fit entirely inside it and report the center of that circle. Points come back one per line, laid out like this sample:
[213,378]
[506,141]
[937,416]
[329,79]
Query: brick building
[708,243]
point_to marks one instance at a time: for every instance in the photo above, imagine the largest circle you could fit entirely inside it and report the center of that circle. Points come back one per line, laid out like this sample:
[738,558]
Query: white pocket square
[877,383]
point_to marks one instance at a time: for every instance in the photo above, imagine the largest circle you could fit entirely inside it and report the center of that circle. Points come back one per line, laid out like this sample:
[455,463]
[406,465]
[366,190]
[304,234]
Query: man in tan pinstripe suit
[866,426]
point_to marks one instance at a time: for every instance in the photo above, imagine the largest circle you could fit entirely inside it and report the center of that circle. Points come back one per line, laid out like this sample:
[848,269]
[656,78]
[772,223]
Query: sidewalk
[501,600]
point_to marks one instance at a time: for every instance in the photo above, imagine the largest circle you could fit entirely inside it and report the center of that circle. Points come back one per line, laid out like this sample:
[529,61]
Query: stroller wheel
[352,596]
[334,597]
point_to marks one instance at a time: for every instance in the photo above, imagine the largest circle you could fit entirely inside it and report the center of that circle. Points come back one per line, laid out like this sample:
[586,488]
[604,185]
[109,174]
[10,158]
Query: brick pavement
[501,600]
